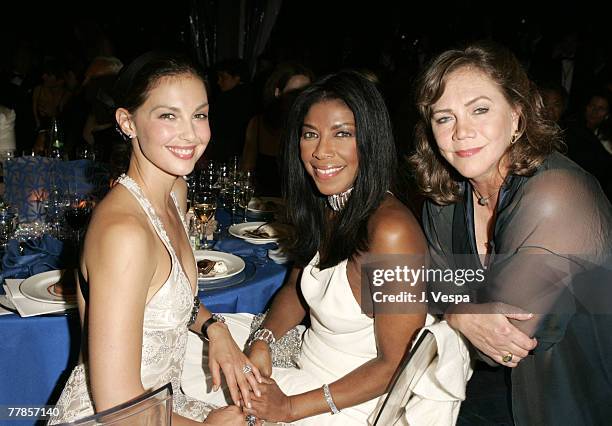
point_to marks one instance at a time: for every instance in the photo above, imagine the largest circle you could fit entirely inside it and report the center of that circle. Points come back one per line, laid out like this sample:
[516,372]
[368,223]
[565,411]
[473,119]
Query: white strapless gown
[339,340]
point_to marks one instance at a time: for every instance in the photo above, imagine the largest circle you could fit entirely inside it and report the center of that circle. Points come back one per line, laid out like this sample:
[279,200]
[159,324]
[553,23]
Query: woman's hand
[225,416]
[273,405]
[259,354]
[487,326]
[224,354]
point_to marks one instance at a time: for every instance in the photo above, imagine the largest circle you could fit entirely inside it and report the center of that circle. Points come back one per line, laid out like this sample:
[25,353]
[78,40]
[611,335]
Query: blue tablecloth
[29,180]
[38,353]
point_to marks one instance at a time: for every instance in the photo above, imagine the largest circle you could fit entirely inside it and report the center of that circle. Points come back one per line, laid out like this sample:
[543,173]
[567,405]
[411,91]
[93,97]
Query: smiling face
[473,124]
[328,146]
[171,126]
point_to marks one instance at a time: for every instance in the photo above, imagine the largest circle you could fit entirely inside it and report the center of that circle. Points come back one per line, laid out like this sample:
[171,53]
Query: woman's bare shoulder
[119,221]
[394,228]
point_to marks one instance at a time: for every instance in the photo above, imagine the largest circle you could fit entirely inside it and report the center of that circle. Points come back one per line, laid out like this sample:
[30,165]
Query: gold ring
[507,357]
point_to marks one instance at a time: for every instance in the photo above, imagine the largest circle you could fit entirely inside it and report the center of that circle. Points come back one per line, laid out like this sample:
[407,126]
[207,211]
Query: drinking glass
[8,224]
[204,208]
[247,192]
[76,213]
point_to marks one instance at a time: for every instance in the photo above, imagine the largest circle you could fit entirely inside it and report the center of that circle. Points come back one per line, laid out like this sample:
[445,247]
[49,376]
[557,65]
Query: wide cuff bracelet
[194,311]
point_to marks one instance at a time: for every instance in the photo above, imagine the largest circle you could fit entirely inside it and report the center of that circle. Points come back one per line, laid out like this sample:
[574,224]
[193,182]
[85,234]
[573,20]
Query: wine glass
[8,224]
[247,192]
[204,208]
[76,213]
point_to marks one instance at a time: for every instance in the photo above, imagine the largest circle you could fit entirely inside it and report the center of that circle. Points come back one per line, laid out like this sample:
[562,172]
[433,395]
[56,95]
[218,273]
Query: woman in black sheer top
[503,200]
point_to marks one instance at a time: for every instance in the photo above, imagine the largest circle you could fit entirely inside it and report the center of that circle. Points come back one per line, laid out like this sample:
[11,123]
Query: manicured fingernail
[258,393]
[249,405]
[259,381]
[238,404]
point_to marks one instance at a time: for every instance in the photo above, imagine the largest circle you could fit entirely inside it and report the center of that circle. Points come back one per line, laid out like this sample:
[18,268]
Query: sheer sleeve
[553,244]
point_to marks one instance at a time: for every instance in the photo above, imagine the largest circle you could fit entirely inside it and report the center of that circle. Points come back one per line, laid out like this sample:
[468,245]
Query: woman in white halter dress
[137,269]
[347,357]
[164,336]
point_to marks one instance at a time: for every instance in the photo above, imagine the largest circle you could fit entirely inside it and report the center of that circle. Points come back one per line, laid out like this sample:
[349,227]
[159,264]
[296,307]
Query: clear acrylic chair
[153,408]
[411,369]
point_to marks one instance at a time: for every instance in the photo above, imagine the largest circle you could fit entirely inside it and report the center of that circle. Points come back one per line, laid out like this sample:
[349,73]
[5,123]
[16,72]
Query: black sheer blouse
[551,254]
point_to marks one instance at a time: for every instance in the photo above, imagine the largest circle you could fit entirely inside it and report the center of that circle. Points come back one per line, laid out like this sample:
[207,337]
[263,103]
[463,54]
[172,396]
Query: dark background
[324,34]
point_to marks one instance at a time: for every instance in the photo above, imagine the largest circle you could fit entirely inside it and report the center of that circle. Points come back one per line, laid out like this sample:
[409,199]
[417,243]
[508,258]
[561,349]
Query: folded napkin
[28,307]
[39,255]
[5,301]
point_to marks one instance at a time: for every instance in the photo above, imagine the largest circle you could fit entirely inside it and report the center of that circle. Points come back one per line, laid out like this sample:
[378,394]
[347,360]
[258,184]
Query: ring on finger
[251,420]
[247,369]
[508,357]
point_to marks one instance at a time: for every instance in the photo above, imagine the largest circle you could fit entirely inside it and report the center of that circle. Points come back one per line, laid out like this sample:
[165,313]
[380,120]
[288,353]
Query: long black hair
[338,236]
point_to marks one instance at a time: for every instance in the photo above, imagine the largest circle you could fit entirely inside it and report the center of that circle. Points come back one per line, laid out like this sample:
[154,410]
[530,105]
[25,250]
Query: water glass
[248,191]
[204,208]
[8,224]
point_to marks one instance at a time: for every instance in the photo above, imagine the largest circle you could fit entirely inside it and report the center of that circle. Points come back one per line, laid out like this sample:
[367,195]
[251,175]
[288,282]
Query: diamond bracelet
[329,400]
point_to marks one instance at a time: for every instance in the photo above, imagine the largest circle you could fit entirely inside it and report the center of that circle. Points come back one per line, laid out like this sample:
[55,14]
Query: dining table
[37,353]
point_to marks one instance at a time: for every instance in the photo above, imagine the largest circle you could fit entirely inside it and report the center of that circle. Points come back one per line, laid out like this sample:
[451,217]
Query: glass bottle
[56,140]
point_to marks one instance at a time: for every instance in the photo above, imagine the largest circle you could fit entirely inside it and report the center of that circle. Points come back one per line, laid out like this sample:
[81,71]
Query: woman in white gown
[138,273]
[338,164]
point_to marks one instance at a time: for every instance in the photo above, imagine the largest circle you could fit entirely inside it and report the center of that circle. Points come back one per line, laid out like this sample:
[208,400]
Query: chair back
[150,409]
[411,369]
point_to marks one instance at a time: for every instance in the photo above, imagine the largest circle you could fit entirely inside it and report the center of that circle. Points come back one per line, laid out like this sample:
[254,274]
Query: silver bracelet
[329,400]
[194,311]
[263,334]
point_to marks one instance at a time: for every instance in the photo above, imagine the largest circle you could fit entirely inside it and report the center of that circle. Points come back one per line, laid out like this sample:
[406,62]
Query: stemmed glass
[247,192]
[77,212]
[8,224]
[204,208]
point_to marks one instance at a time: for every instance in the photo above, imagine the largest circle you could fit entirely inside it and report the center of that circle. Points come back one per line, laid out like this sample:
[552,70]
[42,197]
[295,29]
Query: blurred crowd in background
[60,64]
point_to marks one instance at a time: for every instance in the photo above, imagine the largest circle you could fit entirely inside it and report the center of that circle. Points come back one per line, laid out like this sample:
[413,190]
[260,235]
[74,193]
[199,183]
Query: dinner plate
[235,264]
[40,287]
[276,230]
[265,204]
[224,283]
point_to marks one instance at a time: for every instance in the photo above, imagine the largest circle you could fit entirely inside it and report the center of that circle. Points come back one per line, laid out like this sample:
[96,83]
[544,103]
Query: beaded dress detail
[164,335]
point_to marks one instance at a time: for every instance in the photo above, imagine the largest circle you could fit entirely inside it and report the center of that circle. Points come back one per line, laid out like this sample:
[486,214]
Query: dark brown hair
[537,137]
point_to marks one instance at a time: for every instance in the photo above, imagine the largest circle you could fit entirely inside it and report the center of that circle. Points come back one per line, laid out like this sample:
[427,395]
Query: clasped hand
[487,326]
[240,373]
[271,404]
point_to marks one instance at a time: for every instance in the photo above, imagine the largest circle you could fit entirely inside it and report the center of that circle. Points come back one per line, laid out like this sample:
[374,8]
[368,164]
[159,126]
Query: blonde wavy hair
[536,137]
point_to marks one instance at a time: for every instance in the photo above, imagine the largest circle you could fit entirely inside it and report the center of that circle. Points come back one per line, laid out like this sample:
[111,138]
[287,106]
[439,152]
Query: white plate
[40,287]
[235,264]
[265,204]
[277,230]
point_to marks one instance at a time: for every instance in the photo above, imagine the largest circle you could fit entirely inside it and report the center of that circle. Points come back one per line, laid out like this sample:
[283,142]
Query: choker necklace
[338,201]
[482,200]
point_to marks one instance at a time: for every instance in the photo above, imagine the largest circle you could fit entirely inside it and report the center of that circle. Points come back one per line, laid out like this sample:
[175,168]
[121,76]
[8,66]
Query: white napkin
[4,300]
[28,307]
